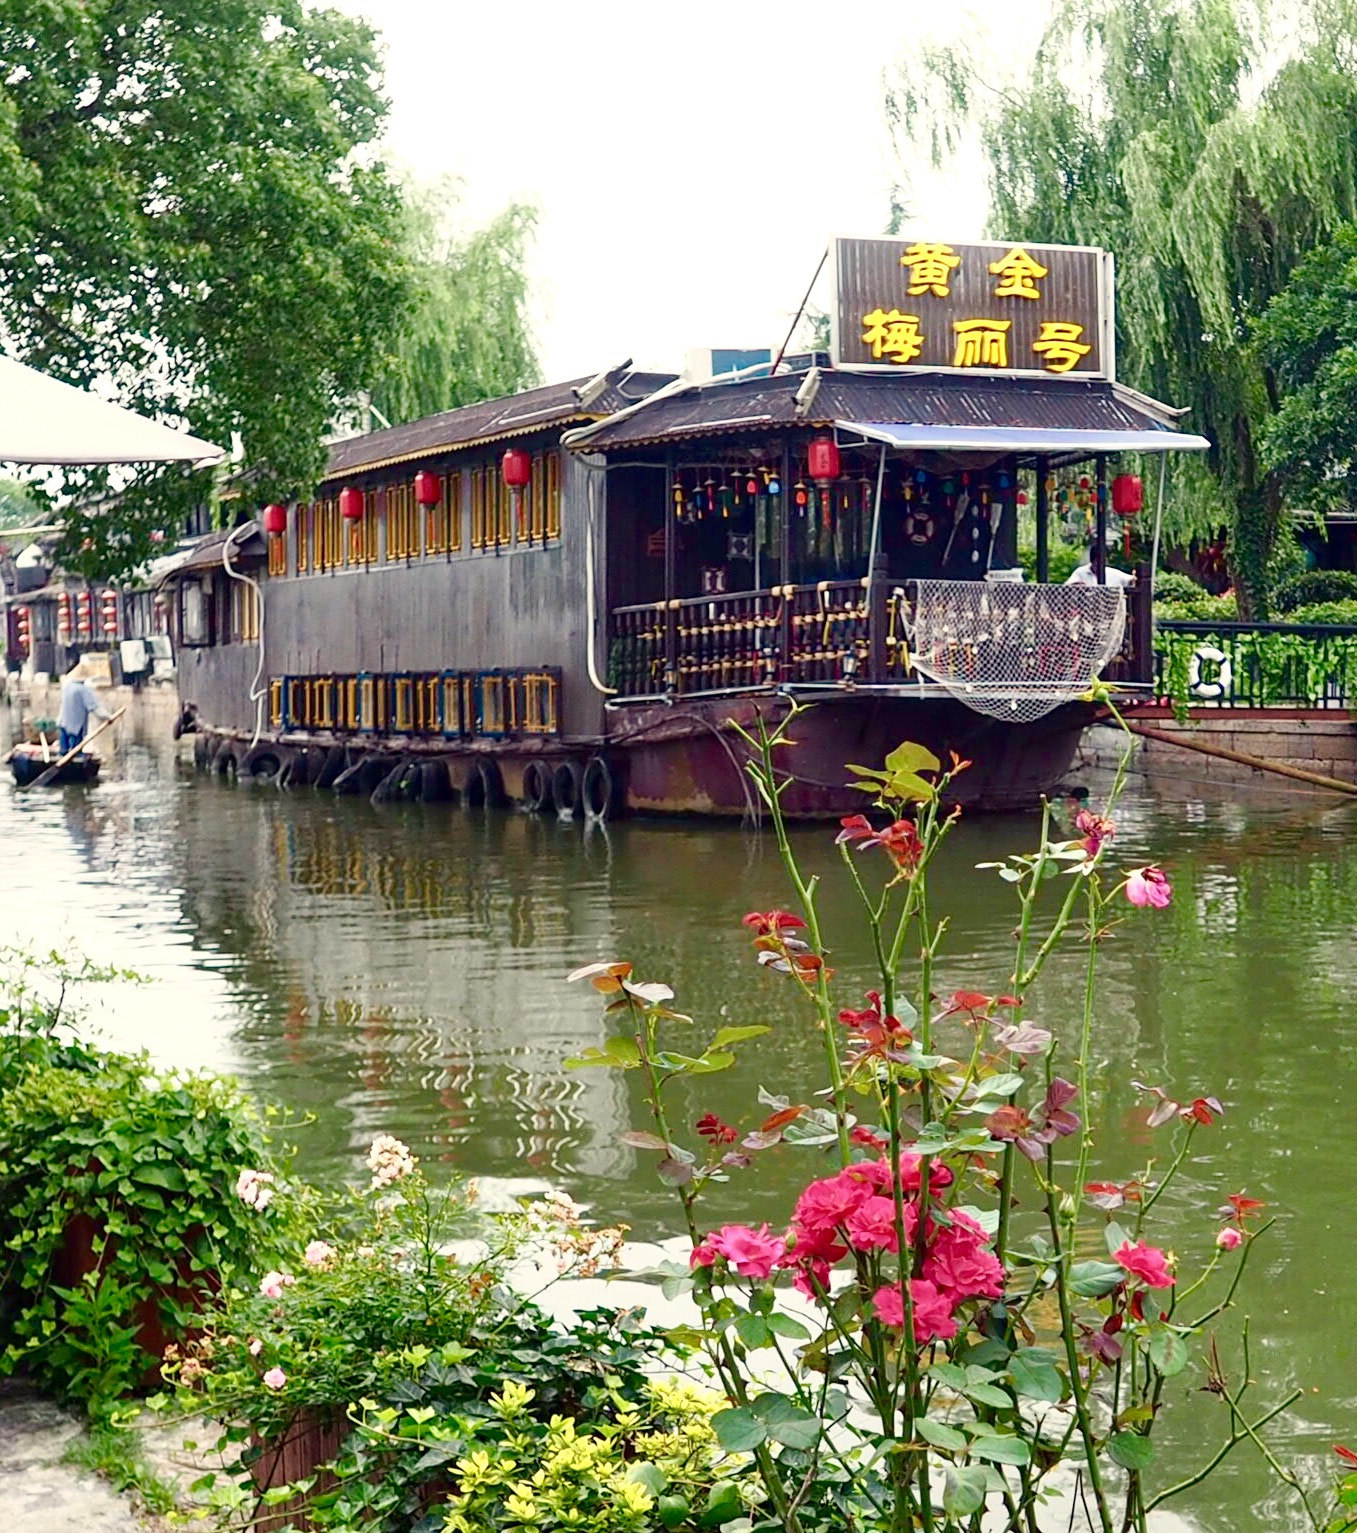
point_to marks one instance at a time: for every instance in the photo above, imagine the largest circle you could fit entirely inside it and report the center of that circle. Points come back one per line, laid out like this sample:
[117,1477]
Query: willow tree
[1210,154]
[466,335]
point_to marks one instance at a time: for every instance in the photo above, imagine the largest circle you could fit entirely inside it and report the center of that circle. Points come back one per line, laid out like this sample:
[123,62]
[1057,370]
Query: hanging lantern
[823,460]
[1022,497]
[275,520]
[22,627]
[82,612]
[108,611]
[1128,494]
[428,491]
[351,504]
[516,470]
[64,616]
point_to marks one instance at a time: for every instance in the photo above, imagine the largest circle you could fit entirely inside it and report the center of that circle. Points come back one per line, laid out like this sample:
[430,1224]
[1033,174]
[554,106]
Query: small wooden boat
[28,763]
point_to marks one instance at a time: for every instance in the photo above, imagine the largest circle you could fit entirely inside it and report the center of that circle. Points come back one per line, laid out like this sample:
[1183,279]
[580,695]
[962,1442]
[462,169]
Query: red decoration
[275,520]
[1128,494]
[428,491]
[351,504]
[823,460]
[516,467]
[1022,497]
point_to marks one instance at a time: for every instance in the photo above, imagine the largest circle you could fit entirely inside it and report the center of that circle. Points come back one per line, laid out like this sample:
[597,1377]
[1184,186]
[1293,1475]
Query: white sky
[689,162]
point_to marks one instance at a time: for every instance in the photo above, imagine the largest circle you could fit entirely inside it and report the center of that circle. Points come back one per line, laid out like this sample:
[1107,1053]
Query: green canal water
[402,970]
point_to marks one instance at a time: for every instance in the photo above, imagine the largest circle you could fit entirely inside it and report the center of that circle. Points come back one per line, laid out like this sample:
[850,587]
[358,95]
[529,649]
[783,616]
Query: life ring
[1208,654]
[919,526]
[536,788]
[596,791]
[565,789]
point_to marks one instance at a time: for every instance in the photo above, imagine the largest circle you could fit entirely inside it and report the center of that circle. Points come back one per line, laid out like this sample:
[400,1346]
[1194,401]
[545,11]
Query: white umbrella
[43,420]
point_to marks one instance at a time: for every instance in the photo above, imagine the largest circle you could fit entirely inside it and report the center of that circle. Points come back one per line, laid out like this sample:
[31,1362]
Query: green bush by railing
[1267,665]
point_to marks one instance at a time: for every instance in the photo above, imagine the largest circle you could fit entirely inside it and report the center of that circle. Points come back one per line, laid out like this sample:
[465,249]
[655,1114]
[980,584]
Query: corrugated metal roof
[248,548]
[935,399]
[492,420]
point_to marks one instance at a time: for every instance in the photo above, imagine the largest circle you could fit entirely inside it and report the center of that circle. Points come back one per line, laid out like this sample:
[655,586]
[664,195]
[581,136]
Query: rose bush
[954,1351]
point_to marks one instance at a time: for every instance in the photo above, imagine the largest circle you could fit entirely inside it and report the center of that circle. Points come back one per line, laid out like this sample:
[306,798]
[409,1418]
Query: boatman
[1085,575]
[78,701]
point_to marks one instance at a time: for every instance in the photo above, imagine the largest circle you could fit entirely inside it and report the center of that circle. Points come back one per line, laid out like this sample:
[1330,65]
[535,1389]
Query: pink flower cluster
[255,1189]
[855,1210]
[271,1285]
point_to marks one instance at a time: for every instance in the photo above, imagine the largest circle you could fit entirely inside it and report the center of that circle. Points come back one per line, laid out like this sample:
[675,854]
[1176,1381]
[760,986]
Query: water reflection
[402,970]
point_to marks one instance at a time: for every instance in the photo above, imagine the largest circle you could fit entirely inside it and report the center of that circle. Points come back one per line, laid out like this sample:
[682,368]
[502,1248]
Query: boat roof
[915,410]
[556,405]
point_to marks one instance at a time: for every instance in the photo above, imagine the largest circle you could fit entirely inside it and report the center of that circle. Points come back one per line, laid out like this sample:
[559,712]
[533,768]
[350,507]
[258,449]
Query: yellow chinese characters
[892,334]
[930,268]
[981,342]
[1060,346]
[1018,275]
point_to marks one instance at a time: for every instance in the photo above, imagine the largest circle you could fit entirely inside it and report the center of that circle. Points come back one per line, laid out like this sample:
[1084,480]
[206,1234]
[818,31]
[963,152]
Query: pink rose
[932,1310]
[752,1253]
[275,1378]
[871,1226]
[318,1254]
[961,1263]
[271,1285]
[1148,1263]
[256,1347]
[1230,1239]
[826,1204]
[1148,886]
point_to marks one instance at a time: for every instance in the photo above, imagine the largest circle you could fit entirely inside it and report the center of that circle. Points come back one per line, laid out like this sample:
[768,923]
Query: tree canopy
[194,213]
[465,336]
[1308,338]
[1210,156]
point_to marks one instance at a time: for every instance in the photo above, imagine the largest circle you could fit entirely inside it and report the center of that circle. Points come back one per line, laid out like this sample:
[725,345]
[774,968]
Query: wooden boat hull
[27,764]
[684,758]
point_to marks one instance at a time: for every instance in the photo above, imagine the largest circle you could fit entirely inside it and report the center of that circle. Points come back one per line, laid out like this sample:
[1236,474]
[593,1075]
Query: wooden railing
[833,633]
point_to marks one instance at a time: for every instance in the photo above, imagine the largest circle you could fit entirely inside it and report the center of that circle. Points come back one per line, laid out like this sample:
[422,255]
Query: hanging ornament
[751,487]
[774,485]
[710,487]
[679,495]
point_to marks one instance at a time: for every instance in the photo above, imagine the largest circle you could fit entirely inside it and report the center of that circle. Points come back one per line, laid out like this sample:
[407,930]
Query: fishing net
[1015,651]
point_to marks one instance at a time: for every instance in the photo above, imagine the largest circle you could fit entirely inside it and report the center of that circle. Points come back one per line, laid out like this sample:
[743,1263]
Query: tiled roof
[939,399]
[556,405]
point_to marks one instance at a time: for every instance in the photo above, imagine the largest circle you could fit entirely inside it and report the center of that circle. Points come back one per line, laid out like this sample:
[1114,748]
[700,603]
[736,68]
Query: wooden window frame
[362,538]
[277,555]
[302,559]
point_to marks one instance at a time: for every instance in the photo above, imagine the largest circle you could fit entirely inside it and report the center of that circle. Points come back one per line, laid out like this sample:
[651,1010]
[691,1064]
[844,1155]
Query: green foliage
[1267,669]
[115,1453]
[1308,336]
[1210,156]
[1062,560]
[466,336]
[20,505]
[116,1211]
[1170,586]
[193,211]
[1201,608]
[1338,613]
[1315,586]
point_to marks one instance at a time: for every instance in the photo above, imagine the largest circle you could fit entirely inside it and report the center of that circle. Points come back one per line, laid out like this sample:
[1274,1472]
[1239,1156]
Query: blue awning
[1026,440]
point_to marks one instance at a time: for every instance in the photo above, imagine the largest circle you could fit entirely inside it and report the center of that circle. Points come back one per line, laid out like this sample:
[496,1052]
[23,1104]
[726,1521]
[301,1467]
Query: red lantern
[1128,494]
[23,627]
[351,504]
[275,520]
[428,491]
[823,460]
[1022,497]
[516,466]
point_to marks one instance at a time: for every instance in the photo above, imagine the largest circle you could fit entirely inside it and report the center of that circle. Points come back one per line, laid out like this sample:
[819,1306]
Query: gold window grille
[492,713]
[329,531]
[244,612]
[552,477]
[303,534]
[325,703]
[348,703]
[402,523]
[542,511]
[426,705]
[443,522]
[504,508]
[363,532]
[481,529]
[540,704]
[276,702]
[367,702]
[402,704]
[278,554]
[452,704]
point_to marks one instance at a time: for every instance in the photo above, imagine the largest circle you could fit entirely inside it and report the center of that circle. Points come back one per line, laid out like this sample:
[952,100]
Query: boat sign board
[1020,309]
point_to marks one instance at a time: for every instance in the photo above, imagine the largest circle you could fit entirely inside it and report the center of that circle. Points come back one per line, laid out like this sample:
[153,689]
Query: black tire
[225,764]
[536,788]
[597,790]
[330,768]
[260,762]
[565,789]
[434,787]
[484,786]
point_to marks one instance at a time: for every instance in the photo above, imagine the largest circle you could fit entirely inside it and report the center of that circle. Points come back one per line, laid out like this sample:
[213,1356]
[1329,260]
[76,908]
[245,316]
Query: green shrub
[1064,559]
[1339,612]
[1170,586]
[1312,587]
[117,1215]
[1202,608]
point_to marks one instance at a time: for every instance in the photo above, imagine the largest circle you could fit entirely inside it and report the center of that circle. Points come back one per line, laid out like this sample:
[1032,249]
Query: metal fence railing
[1256,665]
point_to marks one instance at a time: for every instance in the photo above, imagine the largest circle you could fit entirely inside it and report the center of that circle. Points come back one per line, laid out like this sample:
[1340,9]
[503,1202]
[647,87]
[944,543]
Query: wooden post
[1100,519]
[670,578]
[785,558]
[1043,525]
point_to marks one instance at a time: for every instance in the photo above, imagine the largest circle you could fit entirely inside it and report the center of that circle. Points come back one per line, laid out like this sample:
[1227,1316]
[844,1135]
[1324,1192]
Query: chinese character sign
[1011,307]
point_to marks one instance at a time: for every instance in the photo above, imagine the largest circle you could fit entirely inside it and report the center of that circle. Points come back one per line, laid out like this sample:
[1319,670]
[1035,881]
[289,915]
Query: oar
[46,753]
[56,766]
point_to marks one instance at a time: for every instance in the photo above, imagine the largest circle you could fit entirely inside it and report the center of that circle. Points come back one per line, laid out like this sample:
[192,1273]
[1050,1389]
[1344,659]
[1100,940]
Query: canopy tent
[45,421]
[1026,440]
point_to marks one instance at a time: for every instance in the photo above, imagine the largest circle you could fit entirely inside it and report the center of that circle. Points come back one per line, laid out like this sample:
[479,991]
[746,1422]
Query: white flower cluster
[389,1160]
[556,1221]
[255,1189]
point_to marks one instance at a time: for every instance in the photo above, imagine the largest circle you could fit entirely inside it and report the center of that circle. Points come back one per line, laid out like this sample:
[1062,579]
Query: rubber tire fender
[565,789]
[536,788]
[597,790]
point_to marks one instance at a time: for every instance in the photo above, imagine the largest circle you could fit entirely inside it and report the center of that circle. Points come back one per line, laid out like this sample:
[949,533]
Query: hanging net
[1015,651]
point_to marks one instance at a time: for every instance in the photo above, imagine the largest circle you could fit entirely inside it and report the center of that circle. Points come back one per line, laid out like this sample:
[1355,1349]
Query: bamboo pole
[51,772]
[1258,763]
